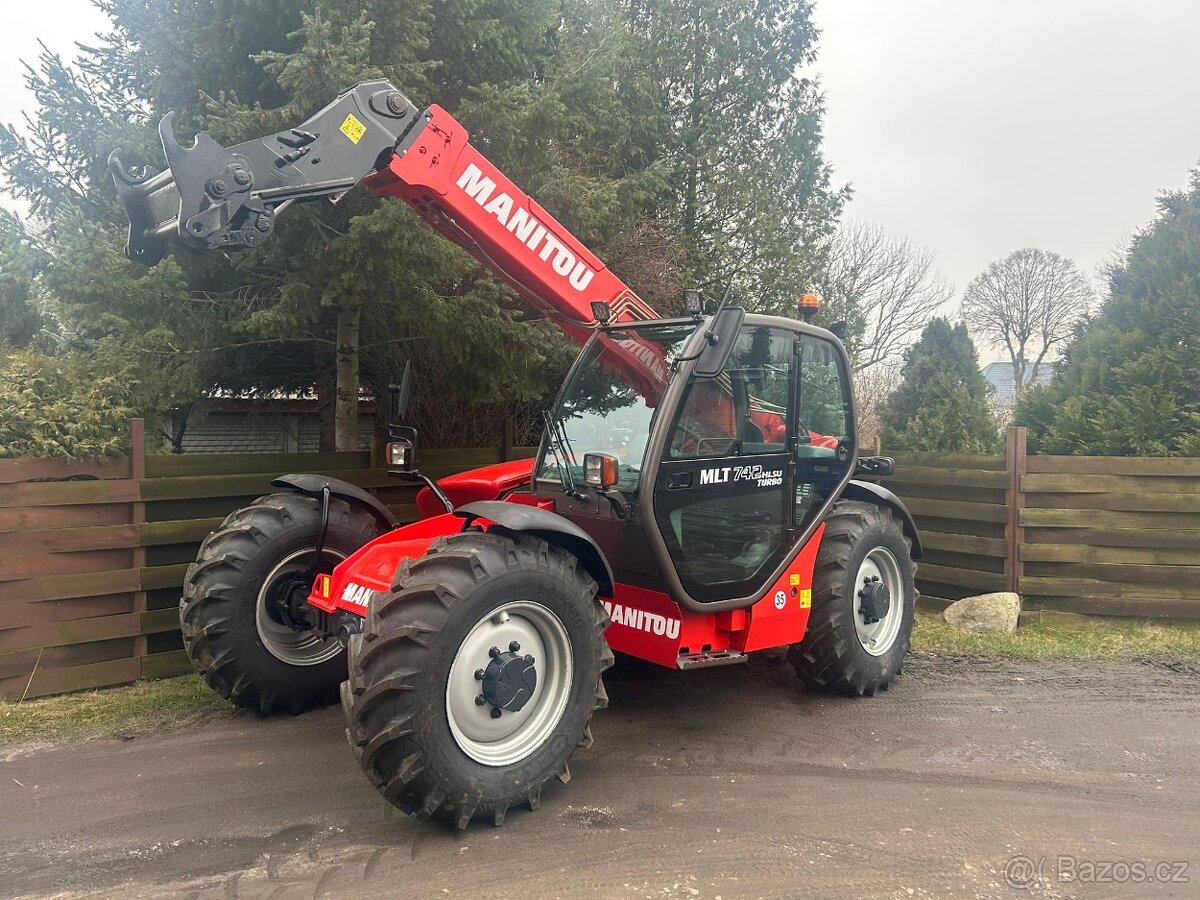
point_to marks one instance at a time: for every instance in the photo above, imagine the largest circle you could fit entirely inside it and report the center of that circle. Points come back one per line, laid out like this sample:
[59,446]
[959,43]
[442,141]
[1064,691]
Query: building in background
[281,424]
[1000,376]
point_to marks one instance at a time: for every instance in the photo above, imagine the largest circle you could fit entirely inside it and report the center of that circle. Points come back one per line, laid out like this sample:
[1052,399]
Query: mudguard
[550,527]
[314,485]
[870,492]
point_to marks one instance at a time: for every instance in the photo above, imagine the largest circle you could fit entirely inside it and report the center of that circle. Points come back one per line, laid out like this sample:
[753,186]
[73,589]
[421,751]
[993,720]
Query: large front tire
[863,602]
[484,620]
[235,631]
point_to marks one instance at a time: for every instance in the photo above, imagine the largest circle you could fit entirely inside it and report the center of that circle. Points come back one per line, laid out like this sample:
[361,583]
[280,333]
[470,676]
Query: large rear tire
[235,631]
[863,601]
[484,620]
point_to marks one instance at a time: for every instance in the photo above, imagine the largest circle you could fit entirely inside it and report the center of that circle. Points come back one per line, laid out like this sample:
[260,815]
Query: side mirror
[402,448]
[600,470]
[400,392]
[722,334]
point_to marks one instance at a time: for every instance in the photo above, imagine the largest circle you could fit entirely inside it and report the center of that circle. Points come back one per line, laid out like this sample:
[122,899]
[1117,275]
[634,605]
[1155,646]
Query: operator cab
[722,472]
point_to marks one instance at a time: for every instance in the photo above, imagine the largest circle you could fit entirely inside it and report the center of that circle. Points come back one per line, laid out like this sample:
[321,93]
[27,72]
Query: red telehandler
[694,498]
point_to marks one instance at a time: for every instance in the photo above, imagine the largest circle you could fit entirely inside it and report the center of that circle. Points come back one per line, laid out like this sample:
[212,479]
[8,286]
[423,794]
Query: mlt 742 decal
[728,474]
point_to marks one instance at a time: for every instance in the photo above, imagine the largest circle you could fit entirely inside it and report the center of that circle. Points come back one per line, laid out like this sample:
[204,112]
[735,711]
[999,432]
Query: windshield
[608,403]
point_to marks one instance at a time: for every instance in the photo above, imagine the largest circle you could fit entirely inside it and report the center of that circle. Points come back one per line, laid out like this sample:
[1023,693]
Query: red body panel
[485,483]
[646,624]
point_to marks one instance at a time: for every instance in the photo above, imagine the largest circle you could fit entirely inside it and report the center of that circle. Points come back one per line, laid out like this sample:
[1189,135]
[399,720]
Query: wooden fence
[92,554]
[1101,535]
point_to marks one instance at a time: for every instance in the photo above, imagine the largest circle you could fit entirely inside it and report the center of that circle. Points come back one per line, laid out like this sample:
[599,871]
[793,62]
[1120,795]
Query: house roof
[1000,377]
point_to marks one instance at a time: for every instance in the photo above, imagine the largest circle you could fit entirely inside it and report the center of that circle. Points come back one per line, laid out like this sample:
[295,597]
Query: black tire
[832,656]
[396,698]
[218,611]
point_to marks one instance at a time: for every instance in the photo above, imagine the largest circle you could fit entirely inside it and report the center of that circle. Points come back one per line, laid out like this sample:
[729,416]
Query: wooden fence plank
[30,565]
[985,581]
[952,460]
[159,577]
[178,531]
[1092,588]
[950,509]
[78,678]
[274,464]
[1140,502]
[13,470]
[1090,518]
[964,543]
[1079,552]
[63,540]
[65,587]
[80,631]
[922,475]
[1114,465]
[1113,484]
[21,518]
[165,665]
[68,493]
[1114,537]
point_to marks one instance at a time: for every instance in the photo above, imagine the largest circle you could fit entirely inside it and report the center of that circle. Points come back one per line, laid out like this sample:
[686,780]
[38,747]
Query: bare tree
[885,288]
[1029,302]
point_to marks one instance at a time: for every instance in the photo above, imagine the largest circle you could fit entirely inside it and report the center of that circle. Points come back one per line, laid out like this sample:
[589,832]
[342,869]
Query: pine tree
[942,401]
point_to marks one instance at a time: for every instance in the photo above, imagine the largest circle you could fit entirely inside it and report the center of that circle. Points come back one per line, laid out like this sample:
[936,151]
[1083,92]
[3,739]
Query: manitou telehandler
[693,499]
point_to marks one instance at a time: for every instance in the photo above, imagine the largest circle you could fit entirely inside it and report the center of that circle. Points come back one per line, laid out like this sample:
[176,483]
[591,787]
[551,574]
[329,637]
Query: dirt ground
[722,783]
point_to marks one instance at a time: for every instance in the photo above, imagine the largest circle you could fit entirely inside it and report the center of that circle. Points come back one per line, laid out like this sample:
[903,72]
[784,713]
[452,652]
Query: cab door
[725,491]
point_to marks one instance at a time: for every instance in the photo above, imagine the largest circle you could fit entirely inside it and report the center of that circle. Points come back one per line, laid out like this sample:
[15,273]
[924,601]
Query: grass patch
[1051,637]
[122,712]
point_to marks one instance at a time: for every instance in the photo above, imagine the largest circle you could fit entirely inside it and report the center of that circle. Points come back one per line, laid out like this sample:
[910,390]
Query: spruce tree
[1129,384]
[942,403]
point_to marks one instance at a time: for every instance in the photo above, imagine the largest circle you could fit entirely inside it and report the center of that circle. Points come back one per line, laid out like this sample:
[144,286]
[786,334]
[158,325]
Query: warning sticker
[353,129]
[794,580]
[806,599]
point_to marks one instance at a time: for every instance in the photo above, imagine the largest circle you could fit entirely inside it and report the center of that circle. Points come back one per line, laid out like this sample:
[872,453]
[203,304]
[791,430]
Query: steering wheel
[698,442]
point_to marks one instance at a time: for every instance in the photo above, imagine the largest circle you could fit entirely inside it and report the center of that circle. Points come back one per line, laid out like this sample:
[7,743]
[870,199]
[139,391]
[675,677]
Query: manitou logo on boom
[525,227]
[640,620]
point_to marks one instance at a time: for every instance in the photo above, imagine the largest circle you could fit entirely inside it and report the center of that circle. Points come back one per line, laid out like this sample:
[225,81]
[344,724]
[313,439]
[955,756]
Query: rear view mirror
[722,334]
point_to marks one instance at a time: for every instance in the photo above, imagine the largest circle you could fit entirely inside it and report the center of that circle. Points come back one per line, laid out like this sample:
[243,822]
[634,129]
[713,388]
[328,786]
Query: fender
[874,493]
[314,485]
[550,527]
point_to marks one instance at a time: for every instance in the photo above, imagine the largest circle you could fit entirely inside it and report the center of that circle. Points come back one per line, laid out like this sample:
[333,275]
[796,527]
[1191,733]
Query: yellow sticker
[794,581]
[353,129]
[805,599]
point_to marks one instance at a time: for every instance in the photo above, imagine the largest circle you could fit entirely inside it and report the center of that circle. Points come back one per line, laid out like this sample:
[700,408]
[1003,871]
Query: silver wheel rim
[877,638]
[514,735]
[296,648]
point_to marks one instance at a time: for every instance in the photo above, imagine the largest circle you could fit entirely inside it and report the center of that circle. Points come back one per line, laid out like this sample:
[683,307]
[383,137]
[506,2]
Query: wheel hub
[876,600]
[509,679]
[287,603]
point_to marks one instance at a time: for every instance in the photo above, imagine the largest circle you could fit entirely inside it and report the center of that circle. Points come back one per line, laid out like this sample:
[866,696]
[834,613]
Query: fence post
[137,471]
[510,437]
[1014,501]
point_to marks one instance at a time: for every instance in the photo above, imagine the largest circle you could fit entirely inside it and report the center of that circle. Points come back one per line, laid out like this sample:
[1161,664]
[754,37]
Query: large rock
[985,613]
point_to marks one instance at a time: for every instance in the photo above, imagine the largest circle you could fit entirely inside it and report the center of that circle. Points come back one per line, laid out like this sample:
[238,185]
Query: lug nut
[514,646]
[495,712]
[480,700]
[494,652]
[479,674]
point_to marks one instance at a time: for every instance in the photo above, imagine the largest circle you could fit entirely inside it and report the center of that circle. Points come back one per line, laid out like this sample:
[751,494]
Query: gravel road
[726,783]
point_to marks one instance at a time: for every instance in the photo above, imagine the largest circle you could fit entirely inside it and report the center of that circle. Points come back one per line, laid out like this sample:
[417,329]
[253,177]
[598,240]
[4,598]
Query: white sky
[974,127]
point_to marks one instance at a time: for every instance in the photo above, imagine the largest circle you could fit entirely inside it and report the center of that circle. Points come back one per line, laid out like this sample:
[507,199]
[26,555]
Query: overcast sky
[974,128]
